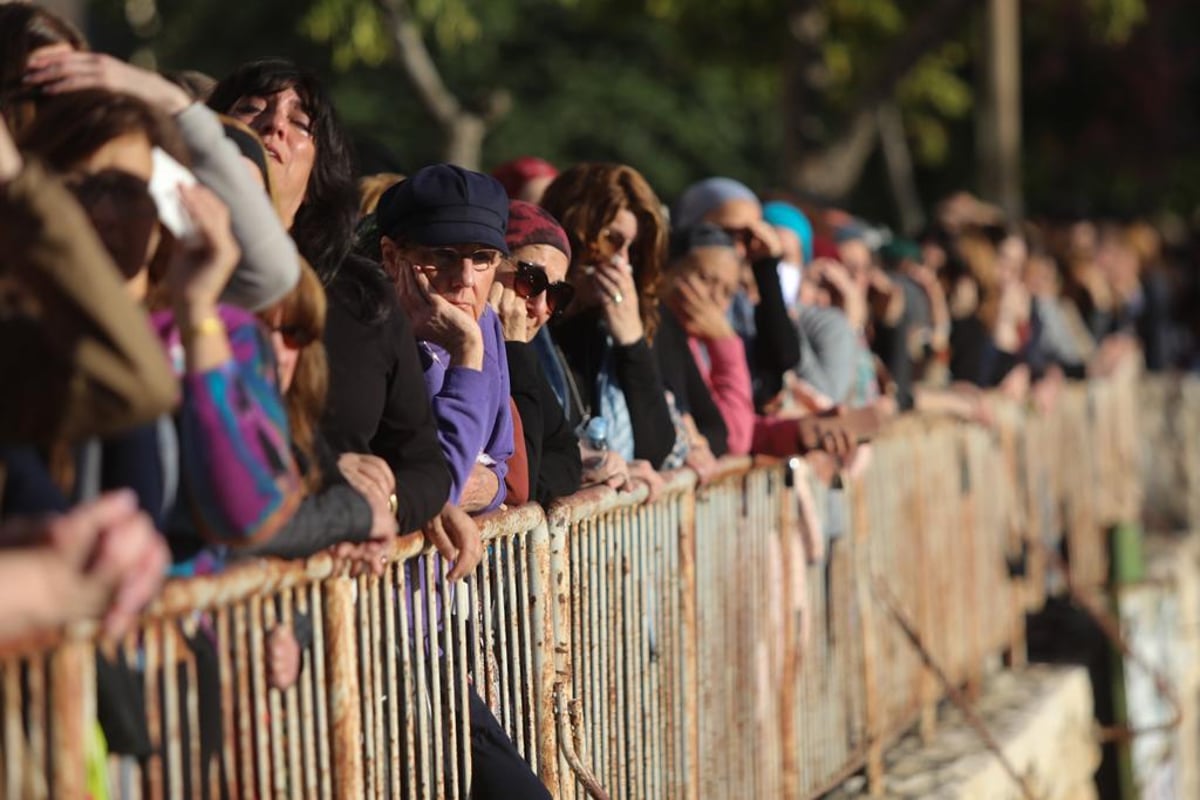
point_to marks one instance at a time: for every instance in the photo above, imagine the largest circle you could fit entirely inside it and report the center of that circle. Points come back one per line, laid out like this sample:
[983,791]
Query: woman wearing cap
[530,289]
[442,240]
[618,240]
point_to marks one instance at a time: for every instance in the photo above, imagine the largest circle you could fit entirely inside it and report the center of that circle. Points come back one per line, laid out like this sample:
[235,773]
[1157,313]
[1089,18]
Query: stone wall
[1042,718]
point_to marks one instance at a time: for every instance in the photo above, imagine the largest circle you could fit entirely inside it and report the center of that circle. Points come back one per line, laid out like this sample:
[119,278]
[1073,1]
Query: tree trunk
[464,130]
[833,170]
[898,157]
[464,141]
[998,122]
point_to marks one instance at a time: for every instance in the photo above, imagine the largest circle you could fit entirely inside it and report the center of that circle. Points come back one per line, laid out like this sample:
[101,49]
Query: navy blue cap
[444,204]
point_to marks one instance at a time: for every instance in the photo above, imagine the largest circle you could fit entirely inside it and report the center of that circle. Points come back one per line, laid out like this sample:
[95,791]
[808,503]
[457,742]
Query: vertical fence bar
[345,717]
[72,686]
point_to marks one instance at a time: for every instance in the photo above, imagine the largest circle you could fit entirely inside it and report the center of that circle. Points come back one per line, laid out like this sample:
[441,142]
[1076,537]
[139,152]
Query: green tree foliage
[679,88]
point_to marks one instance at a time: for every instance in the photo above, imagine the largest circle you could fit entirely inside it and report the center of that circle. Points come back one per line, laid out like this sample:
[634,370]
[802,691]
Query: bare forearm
[205,340]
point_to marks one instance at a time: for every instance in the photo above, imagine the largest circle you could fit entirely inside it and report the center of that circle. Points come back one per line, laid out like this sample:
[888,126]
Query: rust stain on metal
[345,718]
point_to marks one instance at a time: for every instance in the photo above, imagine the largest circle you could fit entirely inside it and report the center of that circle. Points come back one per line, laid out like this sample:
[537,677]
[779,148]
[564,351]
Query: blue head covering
[702,197]
[786,215]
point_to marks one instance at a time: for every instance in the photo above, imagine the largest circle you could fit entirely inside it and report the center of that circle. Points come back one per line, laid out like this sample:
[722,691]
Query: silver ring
[617,298]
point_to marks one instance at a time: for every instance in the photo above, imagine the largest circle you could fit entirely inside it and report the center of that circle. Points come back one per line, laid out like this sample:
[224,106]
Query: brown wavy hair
[304,308]
[586,198]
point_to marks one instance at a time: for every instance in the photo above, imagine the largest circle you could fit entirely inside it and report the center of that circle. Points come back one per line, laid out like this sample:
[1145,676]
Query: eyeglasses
[296,337]
[531,281]
[437,259]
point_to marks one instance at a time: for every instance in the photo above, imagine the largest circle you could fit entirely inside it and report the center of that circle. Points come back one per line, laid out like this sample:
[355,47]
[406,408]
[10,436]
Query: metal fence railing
[703,645]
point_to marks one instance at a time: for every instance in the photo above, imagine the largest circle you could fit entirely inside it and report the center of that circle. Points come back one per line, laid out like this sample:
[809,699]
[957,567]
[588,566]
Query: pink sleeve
[729,381]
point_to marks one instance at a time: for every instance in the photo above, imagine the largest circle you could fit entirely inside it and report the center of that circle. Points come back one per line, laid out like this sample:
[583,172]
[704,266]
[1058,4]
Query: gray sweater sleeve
[270,265]
[1056,341]
[827,351]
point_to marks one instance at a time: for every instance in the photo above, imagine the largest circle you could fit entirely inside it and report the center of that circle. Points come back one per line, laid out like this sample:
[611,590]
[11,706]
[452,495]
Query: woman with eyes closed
[373,360]
[530,290]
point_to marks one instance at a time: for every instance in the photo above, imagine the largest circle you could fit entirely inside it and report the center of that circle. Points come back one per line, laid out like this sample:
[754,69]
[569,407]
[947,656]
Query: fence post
[687,612]
[872,716]
[344,692]
[543,603]
[792,556]
[558,523]
[73,699]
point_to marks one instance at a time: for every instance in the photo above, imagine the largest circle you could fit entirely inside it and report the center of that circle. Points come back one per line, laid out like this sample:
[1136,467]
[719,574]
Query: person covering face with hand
[703,359]
[759,311]
[617,233]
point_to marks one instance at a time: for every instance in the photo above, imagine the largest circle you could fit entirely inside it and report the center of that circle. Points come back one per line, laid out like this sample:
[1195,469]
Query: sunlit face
[460,274]
[285,126]
[613,241]
[1010,260]
[718,270]
[552,261]
[287,351]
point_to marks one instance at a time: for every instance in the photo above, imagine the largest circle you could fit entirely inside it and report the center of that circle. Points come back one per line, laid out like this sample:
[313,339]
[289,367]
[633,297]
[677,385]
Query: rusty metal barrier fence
[707,644]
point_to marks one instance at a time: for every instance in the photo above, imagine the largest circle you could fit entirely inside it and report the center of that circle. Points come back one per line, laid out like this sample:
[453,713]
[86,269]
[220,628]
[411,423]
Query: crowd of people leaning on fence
[263,353]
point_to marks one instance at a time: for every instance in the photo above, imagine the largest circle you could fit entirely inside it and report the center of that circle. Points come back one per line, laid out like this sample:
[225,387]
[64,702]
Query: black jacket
[551,447]
[377,402]
[682,378]
[582,340]
[776,345]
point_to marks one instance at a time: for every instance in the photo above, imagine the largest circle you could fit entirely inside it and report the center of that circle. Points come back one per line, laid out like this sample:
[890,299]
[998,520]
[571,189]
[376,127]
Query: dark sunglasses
[531,281]
[744,236]
[296,337]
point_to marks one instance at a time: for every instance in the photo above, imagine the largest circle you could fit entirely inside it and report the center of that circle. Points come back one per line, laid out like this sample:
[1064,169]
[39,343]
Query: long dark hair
[324,225]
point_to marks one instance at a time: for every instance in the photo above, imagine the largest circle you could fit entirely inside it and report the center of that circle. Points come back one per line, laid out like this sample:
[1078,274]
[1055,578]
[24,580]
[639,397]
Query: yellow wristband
[205,326]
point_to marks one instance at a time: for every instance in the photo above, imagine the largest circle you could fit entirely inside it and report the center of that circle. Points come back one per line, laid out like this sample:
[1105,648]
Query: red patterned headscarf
[530,224]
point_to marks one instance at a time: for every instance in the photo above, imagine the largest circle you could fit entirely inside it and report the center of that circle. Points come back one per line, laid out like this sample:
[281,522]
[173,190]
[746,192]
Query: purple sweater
[471,408]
